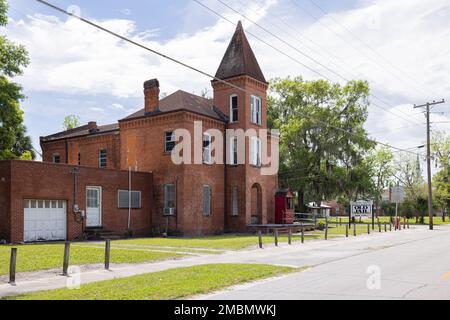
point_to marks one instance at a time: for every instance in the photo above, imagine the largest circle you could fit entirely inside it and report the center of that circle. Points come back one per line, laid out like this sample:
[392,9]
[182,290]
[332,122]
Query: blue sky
[77,70]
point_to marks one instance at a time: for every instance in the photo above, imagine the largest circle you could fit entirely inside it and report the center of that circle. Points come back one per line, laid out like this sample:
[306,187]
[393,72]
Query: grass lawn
[32,257]
[339,231]
[169,284]
[225,242]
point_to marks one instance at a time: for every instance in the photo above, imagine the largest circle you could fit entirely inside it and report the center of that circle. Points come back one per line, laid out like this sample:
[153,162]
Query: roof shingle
[181,100]
[239,59]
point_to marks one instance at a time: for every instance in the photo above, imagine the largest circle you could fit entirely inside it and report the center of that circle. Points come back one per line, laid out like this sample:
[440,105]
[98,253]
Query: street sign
[397,194]
[361,209]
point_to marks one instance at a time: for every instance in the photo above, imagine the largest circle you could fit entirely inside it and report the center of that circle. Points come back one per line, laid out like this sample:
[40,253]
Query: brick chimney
[92,126]
[151,93]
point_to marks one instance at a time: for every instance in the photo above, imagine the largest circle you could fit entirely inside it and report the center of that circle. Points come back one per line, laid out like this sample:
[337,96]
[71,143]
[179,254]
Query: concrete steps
[101,234]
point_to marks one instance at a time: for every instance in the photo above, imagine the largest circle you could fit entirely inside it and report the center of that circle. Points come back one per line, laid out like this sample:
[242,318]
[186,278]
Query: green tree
[323,142]
[381,166]
[71,122]
[14,143]
[408,174]
[441,180]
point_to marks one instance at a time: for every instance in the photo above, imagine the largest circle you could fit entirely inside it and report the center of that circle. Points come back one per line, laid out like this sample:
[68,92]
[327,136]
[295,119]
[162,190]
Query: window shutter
[252,108]
[253,151]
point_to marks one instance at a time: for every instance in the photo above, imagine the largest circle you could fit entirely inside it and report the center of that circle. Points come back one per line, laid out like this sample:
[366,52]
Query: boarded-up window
[234,201]
[123,199]
[169,196]
[206,200]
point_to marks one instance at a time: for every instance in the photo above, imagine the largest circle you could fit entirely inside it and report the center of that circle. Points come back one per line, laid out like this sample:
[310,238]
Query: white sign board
[361,209]
[397,194]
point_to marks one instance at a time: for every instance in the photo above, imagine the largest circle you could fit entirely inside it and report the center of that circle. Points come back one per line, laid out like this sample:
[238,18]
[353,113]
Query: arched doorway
[256,202]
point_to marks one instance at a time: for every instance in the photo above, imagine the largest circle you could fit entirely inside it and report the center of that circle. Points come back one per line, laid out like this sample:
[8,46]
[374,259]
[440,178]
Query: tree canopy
[441,151]
[324,145]
[14,143]
[71,122]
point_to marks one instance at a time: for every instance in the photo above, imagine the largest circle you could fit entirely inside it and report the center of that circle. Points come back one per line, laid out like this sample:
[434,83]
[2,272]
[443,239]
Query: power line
[322,48]
[343,39]
[293,59]
[186,65]
[366,45]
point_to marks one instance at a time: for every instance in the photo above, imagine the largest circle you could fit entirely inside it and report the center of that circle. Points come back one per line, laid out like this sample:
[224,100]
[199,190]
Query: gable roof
[239,59]
[182,100]
[81,131]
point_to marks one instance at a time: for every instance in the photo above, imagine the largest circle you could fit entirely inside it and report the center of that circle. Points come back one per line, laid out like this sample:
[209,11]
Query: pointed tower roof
[239,59]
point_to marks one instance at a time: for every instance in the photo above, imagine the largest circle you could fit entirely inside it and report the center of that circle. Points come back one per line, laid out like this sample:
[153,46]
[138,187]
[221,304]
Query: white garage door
[44,220]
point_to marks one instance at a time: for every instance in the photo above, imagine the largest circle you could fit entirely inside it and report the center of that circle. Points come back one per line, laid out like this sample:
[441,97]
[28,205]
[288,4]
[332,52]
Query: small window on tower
[233,108]
[255,106]
[79,158]
[102,158]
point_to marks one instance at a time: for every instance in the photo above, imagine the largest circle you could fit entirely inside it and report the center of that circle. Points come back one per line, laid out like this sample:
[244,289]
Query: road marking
[446,276]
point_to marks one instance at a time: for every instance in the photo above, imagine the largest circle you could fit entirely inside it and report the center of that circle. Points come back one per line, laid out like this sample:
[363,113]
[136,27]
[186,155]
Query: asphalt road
[410,264]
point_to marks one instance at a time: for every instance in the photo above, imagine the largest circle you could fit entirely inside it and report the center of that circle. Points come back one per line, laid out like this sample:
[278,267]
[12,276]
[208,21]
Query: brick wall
[89,149]
[54,147]
[142,144]
[35,180]
[5,179]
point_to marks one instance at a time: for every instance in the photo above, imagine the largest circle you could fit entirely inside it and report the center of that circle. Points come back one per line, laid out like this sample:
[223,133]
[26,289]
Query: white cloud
[117,106]
[126,12]
[71,57]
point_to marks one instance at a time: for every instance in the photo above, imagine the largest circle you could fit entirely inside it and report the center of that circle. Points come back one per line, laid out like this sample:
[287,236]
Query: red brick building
[185,199]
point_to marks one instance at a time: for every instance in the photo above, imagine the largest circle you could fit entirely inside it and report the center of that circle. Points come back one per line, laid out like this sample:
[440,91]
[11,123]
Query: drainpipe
[225,183]
[129,198]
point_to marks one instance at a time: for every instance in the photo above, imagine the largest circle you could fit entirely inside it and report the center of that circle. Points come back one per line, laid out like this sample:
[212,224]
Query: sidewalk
[311,253]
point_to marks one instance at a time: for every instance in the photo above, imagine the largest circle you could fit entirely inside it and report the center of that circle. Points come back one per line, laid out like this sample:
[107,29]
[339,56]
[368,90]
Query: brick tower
[249,195]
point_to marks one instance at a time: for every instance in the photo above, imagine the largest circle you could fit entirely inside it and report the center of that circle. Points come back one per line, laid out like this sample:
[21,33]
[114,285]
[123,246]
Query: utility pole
[430,190]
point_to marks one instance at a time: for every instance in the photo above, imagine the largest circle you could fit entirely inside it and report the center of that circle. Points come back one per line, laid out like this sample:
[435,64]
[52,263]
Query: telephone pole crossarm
[430,188]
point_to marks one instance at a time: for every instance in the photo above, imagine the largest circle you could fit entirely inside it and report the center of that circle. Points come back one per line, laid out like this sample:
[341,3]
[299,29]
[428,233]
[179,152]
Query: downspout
[67,151]
[176,205]
[225,183]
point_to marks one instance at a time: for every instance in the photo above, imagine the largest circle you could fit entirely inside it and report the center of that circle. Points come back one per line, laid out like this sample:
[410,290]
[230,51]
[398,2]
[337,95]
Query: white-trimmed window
[56,158]
[169,141]
[123,199]
[234,108]
[255,108]
[207,154]
[102,158]
[206,200]
[234,201]
[234,150]
[255,151]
